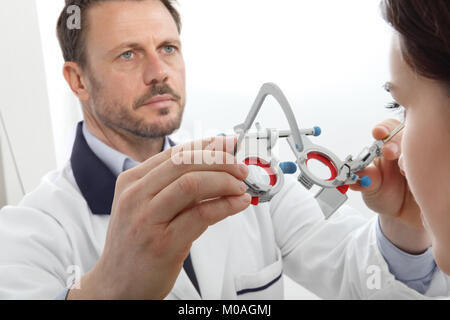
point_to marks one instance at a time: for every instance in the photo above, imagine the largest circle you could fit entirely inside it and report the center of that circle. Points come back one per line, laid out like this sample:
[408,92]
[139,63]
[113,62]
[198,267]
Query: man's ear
[75,78]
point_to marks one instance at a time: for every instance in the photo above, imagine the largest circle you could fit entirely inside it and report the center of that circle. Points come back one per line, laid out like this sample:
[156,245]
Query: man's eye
[169,49]
[127,55]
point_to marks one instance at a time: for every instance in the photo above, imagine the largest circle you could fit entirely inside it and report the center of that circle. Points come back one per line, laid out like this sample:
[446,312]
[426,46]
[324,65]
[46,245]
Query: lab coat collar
[94,179]
[211,258]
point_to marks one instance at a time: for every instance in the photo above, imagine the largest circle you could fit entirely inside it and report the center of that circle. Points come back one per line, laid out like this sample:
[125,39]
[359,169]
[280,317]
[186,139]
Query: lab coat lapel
[95,181]
[209,256]
[184,289]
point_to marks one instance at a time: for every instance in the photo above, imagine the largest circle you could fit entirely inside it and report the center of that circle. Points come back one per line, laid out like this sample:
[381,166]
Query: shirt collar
[94,166]
[116,161]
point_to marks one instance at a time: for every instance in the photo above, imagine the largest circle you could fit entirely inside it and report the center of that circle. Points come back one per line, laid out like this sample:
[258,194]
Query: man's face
[135,68]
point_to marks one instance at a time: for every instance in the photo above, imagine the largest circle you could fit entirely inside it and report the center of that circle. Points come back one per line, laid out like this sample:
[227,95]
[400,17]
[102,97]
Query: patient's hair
[424,28]
[73,41]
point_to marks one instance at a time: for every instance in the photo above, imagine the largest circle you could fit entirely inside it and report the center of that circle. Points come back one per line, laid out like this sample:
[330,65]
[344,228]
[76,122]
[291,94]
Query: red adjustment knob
[343,189]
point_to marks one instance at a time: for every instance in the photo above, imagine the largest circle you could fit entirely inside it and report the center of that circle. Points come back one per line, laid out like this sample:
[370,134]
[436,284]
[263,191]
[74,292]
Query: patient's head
[125,64]
[420,71]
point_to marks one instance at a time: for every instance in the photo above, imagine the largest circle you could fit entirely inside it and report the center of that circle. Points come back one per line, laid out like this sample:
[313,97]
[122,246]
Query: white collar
[116,161]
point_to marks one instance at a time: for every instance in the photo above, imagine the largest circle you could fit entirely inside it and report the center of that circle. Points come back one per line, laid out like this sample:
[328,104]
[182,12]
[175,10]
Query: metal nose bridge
[266,90]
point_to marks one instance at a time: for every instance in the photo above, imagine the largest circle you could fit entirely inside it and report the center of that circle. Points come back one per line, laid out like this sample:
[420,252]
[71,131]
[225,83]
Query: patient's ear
[76,80]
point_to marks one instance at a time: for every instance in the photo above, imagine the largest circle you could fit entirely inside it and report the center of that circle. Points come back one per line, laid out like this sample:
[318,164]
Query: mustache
[156,90]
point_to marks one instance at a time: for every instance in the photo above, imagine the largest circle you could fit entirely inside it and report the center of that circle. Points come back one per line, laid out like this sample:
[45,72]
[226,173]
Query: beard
[118,115]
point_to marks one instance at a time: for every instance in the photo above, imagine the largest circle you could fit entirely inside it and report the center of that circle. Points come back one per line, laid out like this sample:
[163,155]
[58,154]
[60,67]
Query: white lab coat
[52,236]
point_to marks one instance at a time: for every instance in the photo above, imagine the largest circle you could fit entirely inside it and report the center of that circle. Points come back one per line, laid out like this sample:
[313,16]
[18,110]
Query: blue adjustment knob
[288,167]
[317,131]
[365,182]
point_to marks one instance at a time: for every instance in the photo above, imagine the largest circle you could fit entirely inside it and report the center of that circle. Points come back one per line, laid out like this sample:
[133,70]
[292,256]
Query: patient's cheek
[401,164]
[413,162]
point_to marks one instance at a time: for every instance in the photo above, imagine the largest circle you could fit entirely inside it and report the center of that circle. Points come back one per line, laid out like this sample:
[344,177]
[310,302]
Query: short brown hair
[424,28]
[73,41]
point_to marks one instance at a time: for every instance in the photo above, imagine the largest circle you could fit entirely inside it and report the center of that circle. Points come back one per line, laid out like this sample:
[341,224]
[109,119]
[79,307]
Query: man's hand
[390,196]
[159,209]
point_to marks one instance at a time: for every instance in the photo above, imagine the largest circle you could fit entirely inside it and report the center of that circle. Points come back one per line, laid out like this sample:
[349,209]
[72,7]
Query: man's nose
[155,70]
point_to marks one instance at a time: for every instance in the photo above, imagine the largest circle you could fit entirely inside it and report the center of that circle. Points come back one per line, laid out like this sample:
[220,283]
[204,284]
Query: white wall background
[329,57]
[64,107]
[23,101]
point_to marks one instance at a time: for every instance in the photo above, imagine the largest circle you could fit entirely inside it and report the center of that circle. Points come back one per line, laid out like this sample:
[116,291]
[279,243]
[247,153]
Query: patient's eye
[393,105]
[399,110]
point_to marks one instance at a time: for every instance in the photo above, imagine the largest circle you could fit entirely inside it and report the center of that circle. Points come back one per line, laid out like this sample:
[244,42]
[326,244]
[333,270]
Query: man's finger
[154,181]
[190,224]
[374,174]
[190,189]
[214,143]
[392,149]
[383,129]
